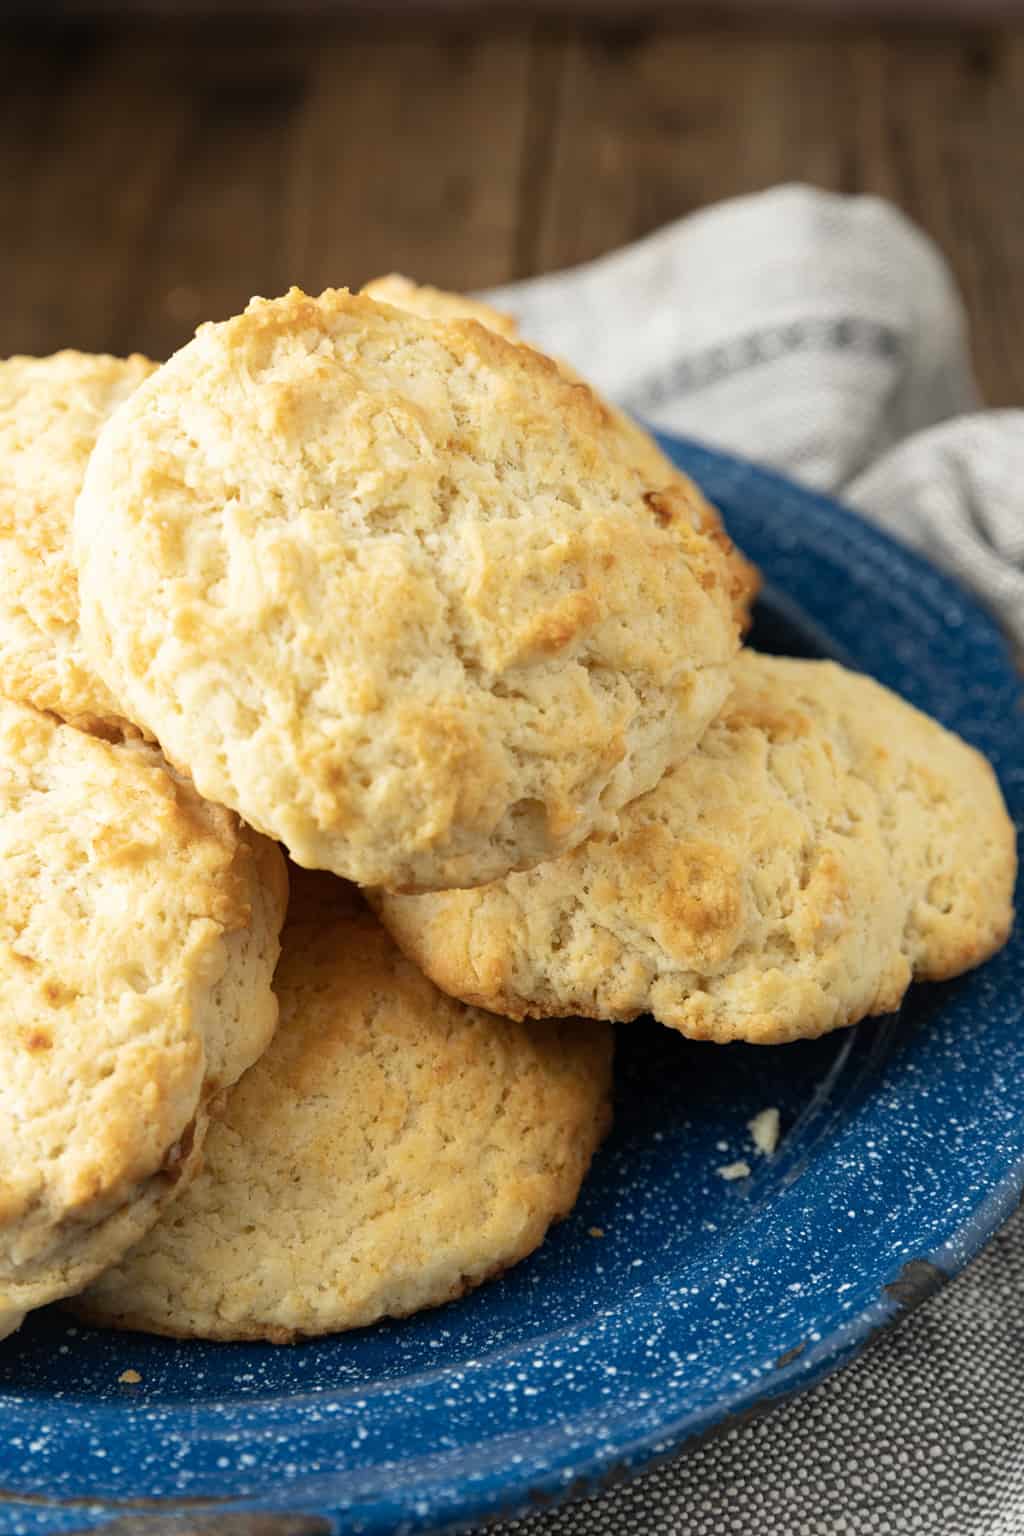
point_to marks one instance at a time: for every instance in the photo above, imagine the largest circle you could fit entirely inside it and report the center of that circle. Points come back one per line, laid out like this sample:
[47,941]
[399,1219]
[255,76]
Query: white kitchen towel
[817,333]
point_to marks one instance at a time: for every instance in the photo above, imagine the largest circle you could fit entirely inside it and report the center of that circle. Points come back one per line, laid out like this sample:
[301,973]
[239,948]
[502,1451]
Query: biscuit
[51,409]
[374,583]
[627,435]
[823,845]
[138,936]
[438,303]
[392,1150]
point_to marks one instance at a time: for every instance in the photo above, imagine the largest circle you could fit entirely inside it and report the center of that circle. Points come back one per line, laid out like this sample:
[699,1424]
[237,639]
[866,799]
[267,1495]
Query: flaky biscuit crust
[825,844]
[138,936]
[376,583]
[51,411]
[391,1150]
[625,435]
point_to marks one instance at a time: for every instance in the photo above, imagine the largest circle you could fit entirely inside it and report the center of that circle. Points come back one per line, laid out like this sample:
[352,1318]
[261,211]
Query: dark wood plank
[652,124]
[82,166]
[155,179]
[150,178]
[955,162]
[483,10]
[408,156]
[650,121]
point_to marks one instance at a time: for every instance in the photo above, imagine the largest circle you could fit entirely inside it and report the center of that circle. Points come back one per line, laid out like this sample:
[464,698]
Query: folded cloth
[957,492]
[817,333]
[823,335]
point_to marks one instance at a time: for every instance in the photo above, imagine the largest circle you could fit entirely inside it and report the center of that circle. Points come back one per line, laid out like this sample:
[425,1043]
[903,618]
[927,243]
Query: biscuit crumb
[130,1378]
[595,1231]
[764,1131]
[739,1170]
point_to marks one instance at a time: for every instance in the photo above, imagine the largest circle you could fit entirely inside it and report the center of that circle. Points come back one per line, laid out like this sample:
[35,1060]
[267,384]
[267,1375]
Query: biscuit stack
[367,581]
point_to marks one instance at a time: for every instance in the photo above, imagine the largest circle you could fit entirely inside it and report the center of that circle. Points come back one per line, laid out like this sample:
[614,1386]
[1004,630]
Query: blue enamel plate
[672,1299]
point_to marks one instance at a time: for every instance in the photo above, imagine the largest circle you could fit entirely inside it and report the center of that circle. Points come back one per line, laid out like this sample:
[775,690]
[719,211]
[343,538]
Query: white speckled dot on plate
[672,1298]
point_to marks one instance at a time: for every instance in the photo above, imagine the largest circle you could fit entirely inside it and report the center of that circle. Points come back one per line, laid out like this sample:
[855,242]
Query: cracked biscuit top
[377,583]
[824,844]
[622,434]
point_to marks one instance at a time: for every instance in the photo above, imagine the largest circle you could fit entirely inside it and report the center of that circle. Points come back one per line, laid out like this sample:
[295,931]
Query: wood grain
[153,177]
[481,10]
[408,155]
[150,181]
[653,124]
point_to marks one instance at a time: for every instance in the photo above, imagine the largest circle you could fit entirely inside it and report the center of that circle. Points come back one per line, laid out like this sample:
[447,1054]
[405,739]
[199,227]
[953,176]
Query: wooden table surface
[153,178]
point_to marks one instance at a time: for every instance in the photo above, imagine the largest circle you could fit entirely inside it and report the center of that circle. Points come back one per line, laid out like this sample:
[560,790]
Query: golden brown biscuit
[51,410]
[138,937]
[438,304]
[391,1150]
[626,435]
[376,583]
[823,845]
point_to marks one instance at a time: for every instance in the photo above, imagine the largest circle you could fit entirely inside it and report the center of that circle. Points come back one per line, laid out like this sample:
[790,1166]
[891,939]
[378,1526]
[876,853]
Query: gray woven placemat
[922,1436]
